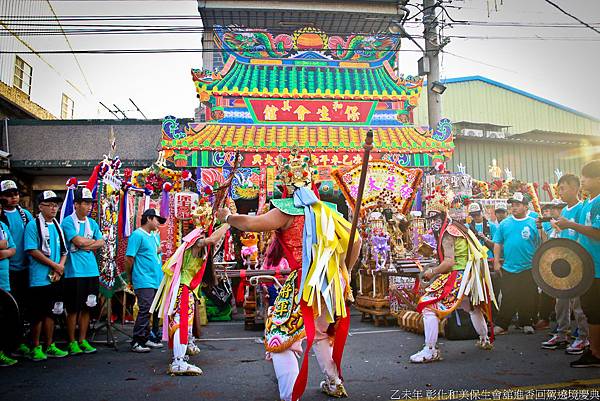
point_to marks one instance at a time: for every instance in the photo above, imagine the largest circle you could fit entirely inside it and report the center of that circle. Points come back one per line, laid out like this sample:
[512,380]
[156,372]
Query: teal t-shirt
[590,216]
[80,263]
[479,229]
[17,230]
[146,271]
[38,272]
[521,239]
[4,263]
[571,214]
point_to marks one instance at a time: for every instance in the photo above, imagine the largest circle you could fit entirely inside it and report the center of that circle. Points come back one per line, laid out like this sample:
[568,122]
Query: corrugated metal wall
[480,102]
[527,162]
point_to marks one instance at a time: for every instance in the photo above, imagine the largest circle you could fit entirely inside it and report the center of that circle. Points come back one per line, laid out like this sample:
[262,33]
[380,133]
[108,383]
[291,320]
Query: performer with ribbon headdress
[463,278]
[184,272]
[314,238]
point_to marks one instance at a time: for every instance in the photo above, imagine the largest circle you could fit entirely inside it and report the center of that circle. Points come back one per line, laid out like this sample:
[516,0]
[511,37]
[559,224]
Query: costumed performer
[463,282]
[313,238]
[184,272]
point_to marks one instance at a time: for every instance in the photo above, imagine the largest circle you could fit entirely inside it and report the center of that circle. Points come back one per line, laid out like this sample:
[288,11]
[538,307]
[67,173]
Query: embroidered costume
[311,302]
[467,285]
[175,298]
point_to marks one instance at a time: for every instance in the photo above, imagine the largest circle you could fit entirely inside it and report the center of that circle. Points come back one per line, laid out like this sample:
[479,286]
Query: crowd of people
[51,268]
[511,242]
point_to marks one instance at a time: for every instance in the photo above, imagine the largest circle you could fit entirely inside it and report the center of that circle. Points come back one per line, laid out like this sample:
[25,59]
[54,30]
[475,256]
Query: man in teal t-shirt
[588,229]
[517,238]
[46,245]
[16,218]
[142,262]
[81,270]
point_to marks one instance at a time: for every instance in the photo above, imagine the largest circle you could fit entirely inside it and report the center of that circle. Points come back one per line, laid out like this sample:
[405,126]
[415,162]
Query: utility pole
[432,49]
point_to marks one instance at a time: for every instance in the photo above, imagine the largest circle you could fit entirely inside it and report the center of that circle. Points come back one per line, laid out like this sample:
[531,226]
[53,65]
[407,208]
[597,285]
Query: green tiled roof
[255,79]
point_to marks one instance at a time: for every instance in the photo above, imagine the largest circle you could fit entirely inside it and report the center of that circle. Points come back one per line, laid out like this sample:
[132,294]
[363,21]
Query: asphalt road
[376,367]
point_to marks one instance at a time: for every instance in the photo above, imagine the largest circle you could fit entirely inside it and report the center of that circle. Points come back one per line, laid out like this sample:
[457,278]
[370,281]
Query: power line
[71,47]
[572,16]
[150,51]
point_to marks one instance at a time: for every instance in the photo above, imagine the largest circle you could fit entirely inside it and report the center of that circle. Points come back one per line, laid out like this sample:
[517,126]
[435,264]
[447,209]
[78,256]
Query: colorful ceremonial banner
[311,111]
[108,212]
[394,185]
[210,159]
[460,183]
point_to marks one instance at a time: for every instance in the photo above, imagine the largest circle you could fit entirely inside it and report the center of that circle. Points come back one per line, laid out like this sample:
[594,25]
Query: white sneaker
[427,354]
[152,344]
[180,367]
[137,347]
[577,347]
[192,349]
[528,329]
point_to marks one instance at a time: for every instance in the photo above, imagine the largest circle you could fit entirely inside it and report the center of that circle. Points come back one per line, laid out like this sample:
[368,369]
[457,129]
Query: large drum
[563,269]
[9,320]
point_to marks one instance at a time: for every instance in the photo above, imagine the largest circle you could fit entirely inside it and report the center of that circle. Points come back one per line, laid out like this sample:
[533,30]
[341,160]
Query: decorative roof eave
[261,138]
[327,94]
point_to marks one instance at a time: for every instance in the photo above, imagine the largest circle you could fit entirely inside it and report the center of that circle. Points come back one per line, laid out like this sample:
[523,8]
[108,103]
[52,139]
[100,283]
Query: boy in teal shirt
[81,270]
[7,249]
[16,218]
[568,187]
[45,243]
[588,230]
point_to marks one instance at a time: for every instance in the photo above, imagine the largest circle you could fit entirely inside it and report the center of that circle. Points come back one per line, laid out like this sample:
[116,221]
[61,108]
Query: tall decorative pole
[368,146]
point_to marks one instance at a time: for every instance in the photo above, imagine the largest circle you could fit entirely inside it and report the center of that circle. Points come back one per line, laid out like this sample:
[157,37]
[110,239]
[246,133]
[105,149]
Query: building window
[66,107]
[22,78]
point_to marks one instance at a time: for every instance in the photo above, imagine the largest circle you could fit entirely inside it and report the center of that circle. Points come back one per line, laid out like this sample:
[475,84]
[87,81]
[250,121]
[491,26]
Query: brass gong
[562,268]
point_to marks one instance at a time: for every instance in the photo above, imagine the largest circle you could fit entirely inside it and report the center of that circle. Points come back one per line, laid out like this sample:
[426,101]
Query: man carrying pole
[316,241]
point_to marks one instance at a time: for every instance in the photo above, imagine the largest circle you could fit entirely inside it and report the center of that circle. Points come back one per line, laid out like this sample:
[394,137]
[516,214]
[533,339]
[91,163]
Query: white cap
[49,196]
[474,208]
[501,206]
[518,197]
[8,185]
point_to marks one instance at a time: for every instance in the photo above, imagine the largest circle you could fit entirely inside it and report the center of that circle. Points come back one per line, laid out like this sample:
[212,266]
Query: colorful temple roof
[309,90]
[301,81]
[273,138]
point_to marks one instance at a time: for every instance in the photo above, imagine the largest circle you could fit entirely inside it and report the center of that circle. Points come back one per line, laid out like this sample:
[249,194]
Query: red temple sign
[183,204]
[311,111]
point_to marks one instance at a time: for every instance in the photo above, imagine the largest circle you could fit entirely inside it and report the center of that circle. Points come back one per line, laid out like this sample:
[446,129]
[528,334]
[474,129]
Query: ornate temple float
[308,90]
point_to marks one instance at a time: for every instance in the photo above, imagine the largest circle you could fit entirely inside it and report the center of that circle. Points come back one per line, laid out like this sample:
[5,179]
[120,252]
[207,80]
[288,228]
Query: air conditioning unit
[477,133]
[495,134]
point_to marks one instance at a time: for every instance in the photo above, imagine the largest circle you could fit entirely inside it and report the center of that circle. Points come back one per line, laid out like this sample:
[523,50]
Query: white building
[34,84]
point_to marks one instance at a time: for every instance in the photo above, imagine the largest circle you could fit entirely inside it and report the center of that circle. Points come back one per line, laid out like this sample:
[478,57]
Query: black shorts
[590,303]
[81,293]
[43,299]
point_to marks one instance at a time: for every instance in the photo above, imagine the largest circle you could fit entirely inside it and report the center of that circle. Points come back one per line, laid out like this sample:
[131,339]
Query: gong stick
[361,187]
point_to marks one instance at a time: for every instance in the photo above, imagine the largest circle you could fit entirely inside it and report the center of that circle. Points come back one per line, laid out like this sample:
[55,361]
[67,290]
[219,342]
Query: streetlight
[438,87]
